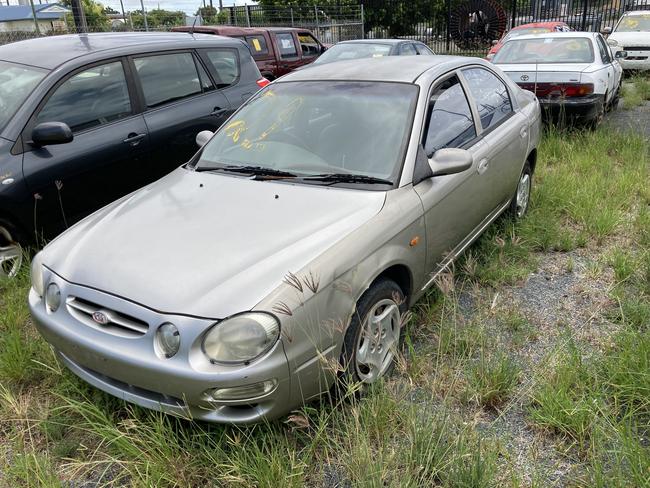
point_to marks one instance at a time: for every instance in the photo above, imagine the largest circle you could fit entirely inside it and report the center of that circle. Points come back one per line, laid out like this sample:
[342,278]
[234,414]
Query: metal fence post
[144,16]
[248,15]
[291,16]
[448,22]
[514,13]
[584,15]
[363,23]
[316,17]
[36,27]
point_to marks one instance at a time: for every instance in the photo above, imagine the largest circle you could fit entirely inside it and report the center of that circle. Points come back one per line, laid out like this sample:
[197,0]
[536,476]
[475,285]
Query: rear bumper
[574,109]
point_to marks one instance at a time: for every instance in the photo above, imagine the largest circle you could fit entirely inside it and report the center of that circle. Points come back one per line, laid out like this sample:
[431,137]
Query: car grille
[637,48]
[116,323]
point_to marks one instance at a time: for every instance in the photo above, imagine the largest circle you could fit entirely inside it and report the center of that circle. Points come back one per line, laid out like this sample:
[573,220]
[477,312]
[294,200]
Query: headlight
[36,272]
[52,297]
[612,42]
[168,340]
[241,338]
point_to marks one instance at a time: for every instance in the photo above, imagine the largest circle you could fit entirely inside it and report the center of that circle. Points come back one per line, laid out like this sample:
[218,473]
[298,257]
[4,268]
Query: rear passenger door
[286,46]
[179,99]
[503,129]
[613,75]
[108,155]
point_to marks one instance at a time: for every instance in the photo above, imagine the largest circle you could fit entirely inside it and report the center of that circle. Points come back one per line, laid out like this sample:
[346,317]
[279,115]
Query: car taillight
[262,82]
[559,90]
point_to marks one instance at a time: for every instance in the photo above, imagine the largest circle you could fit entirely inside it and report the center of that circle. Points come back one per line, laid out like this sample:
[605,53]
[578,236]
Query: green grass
[432,423]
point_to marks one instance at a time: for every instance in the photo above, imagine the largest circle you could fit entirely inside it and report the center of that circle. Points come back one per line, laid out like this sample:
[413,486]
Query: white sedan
[632,34]
[575,75]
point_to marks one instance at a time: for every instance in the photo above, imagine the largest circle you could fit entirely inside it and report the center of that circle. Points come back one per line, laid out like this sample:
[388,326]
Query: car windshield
[525,31]
[546,50]
[317,127]
[16,83]
[634,23]
[353,50]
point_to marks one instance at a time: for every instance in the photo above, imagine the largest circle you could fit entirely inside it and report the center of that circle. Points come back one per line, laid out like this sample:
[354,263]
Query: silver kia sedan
[286,253]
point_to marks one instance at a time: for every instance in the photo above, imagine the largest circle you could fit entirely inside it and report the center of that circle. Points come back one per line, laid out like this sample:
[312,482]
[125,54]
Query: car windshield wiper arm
[348,178]
[251,170]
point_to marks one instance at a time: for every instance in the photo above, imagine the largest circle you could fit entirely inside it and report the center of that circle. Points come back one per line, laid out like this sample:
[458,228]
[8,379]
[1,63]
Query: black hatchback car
[85,119]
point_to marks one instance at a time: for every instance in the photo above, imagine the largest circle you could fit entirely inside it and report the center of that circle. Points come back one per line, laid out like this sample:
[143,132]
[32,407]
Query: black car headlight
[241,338]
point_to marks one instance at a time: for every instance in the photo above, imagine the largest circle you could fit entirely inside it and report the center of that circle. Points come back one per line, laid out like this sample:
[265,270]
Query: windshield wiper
[348,178]
[251,170]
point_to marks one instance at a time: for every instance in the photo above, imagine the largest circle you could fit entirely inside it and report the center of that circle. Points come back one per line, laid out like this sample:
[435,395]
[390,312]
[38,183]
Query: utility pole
[79,16]
[144,15]
[123,15]
[38,30]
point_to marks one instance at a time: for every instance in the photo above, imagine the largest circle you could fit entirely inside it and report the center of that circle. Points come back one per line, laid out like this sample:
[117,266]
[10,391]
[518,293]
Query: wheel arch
[532,159]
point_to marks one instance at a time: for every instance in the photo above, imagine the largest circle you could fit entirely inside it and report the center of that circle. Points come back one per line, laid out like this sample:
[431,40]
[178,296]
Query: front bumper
[636,61]
[130,369]
[579,109]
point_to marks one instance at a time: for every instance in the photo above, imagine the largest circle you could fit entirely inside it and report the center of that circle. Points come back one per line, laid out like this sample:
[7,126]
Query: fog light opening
[52,297]
[168,340]
[246,393]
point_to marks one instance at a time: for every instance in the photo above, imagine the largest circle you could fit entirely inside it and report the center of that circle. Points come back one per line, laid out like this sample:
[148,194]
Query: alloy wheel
[379,337]
[523,194]
[11,255]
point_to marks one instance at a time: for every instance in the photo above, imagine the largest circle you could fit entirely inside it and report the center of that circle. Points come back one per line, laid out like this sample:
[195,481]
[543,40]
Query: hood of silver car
[206,244]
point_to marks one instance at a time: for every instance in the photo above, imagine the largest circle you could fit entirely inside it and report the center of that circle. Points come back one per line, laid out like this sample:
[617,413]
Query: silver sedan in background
[287,251]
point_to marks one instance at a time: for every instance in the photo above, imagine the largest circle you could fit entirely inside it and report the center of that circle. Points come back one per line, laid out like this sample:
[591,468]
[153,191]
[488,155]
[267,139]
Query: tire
[367,358]
[521,199]
[600,115]
[11,252]
[613,105]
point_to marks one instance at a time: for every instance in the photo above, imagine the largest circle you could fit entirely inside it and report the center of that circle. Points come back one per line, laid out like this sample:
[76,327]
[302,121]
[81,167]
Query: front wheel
[521,199]
[373,337]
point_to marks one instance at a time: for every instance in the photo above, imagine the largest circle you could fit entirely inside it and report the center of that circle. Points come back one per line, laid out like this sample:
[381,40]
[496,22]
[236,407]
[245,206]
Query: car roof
[376,41]
[574,34]
[404,69]
[539,24]
[52,51]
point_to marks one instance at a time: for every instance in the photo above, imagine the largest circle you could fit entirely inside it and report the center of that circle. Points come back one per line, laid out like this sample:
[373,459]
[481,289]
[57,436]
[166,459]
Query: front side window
[318,127]
[449,121]
[490,94]
[90,98]
[17,81]
[286,45]
[544,50]
[226,64]
[407,49]
[167,77]
[309,45]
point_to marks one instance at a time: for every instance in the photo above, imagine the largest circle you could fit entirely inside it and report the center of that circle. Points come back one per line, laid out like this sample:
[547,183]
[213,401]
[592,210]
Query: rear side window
[90,98]
[258,46]
[309,45]
[407,49]
[286,45]
[490,94]
[604,51]
[226,65]
[422,49]
[167,77]
[449,122]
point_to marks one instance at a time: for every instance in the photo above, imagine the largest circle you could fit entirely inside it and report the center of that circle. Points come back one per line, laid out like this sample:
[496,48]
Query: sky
[188,6]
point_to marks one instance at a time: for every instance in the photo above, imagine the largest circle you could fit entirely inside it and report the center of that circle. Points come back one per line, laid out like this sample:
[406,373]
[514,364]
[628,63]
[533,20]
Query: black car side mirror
[620,54]
[449,161]
[50,133]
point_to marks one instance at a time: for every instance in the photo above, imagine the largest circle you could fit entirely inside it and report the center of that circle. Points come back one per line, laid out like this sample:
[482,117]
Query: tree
[110,11]
[211,16]
[158,18]
[95,13]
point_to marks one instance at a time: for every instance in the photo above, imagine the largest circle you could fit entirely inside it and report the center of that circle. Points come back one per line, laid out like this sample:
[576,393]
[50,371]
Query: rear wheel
[521,199]
[599,116]
[11,253]
[373,337]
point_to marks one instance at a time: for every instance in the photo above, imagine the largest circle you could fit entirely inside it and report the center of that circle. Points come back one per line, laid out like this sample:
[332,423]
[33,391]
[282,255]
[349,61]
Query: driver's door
[107,156]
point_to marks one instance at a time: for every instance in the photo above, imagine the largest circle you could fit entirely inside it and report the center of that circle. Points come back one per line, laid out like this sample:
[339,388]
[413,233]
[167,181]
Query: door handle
[523,132]
[218,111]
[134,139]
[483,166]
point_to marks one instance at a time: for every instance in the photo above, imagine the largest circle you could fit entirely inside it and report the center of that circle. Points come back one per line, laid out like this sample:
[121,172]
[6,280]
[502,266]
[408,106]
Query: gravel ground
[637,119]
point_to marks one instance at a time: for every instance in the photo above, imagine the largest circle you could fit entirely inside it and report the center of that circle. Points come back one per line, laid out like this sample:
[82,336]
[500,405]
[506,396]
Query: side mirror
[50,133]
[607,30]
[495,42]
[203,137]
[620,54]
[449,161]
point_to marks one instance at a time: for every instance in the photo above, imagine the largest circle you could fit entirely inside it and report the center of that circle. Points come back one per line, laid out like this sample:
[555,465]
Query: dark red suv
[276,50]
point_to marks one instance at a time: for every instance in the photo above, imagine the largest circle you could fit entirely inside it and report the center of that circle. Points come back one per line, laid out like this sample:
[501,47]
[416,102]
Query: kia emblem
[100,317]
[524,77]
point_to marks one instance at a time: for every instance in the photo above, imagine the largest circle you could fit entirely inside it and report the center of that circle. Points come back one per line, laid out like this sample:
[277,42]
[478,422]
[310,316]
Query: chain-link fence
[331,24]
